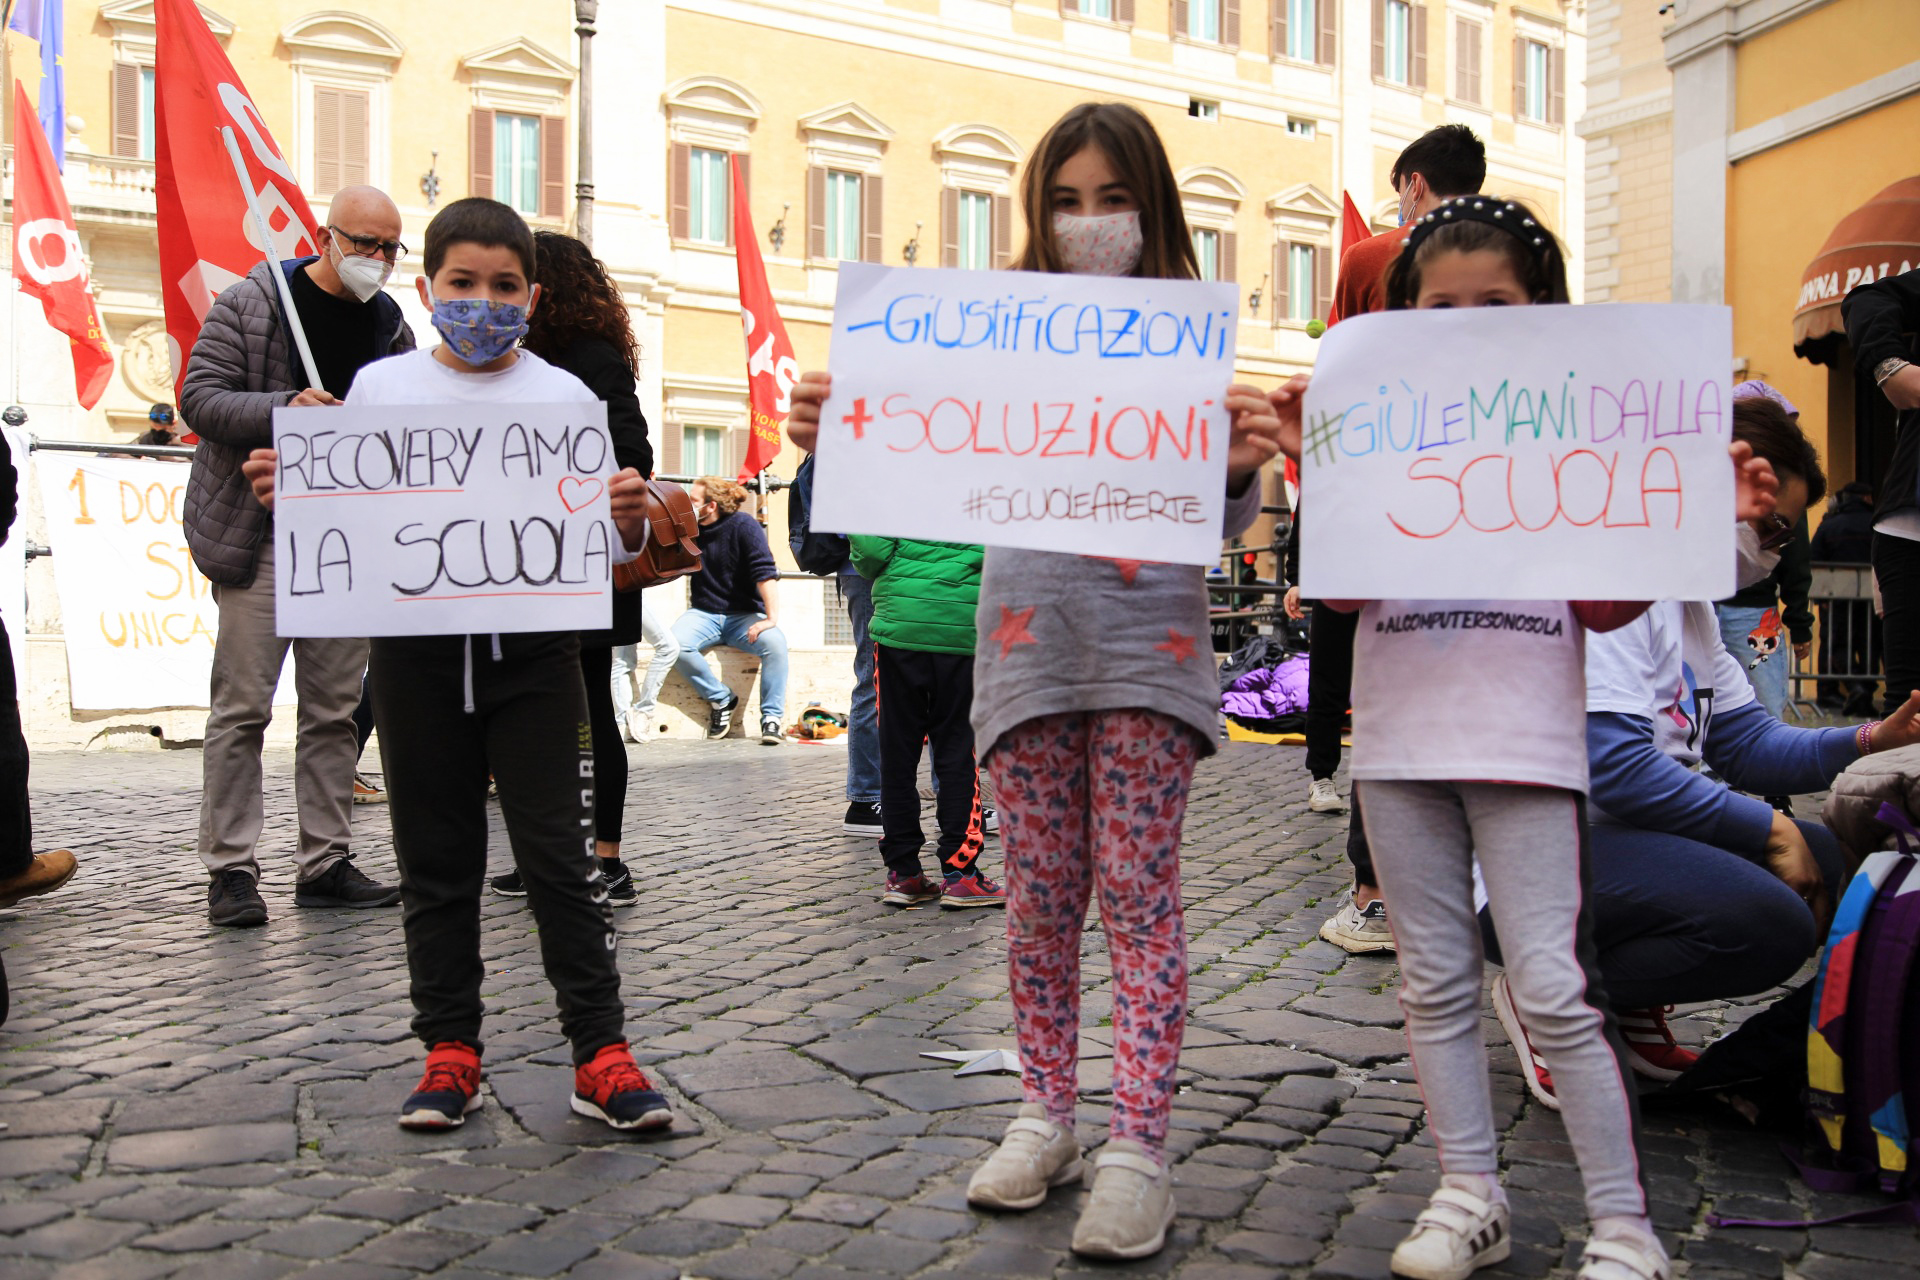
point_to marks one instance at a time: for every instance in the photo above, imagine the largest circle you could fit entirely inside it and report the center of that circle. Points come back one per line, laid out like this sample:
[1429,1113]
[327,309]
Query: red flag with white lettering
[1353,226]
[771,368]
[46,253]
[207,238]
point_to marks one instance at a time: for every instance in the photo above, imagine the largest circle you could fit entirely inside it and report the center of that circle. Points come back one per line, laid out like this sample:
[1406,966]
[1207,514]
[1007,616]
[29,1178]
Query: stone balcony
[103,189]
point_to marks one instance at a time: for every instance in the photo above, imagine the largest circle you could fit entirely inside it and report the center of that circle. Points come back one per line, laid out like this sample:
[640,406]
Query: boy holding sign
[451,708]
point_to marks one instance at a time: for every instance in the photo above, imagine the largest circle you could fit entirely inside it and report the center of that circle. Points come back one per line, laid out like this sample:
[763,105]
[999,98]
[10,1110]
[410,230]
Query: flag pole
[273,262]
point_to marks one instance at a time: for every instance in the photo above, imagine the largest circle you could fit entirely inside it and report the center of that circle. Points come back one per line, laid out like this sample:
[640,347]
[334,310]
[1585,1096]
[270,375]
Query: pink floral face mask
[1104,246]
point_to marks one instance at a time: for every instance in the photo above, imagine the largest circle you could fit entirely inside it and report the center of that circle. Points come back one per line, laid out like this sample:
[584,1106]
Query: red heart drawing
[572,489]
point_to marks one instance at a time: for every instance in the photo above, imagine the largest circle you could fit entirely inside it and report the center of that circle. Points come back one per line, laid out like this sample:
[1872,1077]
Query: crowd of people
[1555,799]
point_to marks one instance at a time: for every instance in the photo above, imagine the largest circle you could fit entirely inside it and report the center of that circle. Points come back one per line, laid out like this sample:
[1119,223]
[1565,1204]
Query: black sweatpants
[1329,697]
[609,744]
[16,819]
[1896,567]
[927,697]
[528,726]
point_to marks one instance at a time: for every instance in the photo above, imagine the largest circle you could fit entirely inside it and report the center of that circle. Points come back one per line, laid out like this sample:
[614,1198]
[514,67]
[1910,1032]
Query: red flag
[207,237]
[771,368]
[46,253]
[1353,227]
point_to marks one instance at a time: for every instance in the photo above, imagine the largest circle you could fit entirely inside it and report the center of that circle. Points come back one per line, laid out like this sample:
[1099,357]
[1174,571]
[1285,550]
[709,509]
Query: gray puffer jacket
[242,368]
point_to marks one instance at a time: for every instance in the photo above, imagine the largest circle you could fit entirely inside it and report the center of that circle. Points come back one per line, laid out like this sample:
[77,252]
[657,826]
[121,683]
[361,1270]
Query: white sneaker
[1454,1236]
[1323,798]
[1359,932]
[1131,1207]
[1035,1155]
[639,727]
[1618,1257]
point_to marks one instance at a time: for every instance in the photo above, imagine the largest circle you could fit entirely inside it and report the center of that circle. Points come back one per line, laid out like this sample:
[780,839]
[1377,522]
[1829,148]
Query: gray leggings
[1531,842]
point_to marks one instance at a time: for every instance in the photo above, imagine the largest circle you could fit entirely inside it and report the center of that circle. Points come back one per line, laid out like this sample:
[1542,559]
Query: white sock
[1484,1185]
[1627,1227]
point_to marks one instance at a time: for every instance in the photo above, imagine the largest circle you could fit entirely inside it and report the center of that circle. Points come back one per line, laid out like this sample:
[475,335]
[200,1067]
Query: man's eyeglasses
[1776,532]
[368,246]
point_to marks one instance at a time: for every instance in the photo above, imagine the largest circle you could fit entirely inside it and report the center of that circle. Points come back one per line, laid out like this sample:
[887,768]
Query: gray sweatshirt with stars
[1062,633]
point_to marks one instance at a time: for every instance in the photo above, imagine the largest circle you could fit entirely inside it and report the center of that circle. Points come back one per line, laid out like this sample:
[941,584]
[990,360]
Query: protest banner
[429,520]
[1521,453]
[1056,413]
[139,619]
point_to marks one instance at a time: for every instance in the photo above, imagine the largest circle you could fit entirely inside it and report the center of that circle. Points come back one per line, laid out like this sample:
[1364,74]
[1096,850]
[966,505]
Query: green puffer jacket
[924,593]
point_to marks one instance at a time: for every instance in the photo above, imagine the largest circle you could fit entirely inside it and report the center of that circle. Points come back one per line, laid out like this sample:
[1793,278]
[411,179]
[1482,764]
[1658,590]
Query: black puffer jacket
[243,367]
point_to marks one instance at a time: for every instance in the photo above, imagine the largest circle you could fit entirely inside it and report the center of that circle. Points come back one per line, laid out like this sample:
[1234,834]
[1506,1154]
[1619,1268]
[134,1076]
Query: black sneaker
[863,819]
[720,718]
[620,890]
[770,733]
[233,899]
[509,885]
[344,885]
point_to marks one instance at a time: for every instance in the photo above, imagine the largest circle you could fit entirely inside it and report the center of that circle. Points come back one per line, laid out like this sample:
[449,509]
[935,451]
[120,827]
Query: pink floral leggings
[1095,800]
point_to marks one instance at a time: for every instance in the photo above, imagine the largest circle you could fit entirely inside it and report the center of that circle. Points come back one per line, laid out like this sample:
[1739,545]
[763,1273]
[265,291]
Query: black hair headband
[1504,214]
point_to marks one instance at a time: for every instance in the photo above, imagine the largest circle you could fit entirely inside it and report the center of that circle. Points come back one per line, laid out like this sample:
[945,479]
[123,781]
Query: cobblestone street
[218,1104]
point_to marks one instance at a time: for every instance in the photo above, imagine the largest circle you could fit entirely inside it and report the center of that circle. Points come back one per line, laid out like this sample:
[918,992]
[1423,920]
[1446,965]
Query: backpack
[821,553]
[1863,1040]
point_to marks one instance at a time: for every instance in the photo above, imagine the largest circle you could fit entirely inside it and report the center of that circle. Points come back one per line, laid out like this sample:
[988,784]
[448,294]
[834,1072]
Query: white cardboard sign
[1055,413]
[1521,453]
[420,520]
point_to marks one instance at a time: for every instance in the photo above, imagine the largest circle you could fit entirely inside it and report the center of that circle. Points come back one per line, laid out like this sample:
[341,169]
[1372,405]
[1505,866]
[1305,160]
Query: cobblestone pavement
[212,1104]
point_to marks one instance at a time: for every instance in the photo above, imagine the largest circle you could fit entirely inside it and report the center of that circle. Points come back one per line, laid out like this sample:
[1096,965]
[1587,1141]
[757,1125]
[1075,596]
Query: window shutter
[737,442]
[1069,6]
[1181,23]
[356,141]
[1277,29]
[950,226]
[553,167]
[1230,24]
[326,141]
[679,181]
[1325,10]
[745,162]
[871,247]
[816,213]
[1556,85]
[1280,308]
[1229,256]
[1002,232]
[1519,78]
[1462,53]
[1322,281]
[126,109]
[1123,12]
[1379,39]
[1417,61]
[480,162]
[669,463]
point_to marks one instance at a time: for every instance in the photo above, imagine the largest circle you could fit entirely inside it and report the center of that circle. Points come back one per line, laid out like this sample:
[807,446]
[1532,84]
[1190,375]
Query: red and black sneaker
[447,1092]
[1533,1067]
[613,1088]
[1651,1049]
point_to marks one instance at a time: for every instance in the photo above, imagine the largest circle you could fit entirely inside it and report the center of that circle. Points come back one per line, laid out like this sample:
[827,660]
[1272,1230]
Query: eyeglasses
[368,246]
[1777,532]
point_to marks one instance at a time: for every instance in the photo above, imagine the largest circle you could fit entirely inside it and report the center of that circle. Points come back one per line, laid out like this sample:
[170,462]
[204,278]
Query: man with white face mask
[242,368]
[1701,892]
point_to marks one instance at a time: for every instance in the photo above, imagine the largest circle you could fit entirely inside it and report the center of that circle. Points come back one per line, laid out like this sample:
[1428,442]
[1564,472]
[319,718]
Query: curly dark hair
[578,299]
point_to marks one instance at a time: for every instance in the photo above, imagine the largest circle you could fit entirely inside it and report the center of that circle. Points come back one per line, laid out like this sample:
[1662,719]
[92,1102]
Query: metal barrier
[1847,653]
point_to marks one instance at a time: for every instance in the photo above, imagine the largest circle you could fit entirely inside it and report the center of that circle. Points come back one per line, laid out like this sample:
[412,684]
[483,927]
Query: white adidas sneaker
[1454,1236]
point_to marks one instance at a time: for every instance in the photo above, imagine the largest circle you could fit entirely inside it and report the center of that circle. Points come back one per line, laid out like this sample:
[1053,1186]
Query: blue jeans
[696,631]
[1769,678]
[863,722]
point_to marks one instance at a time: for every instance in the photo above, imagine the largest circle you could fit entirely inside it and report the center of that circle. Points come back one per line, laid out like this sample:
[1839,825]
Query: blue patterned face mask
[478,330]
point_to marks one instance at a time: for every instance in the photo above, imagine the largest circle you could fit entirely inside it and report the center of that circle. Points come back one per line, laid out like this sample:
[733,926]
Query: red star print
[1181,647]
[1013,629]
[1129,569]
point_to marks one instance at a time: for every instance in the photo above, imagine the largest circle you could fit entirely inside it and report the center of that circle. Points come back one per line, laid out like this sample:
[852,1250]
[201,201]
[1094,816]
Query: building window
[843,216]
[132,111]
[1303,29]
[1467,40]
[708,185]
[1535,107]
[1301,261]
[146,113]
[703,451]
[1396,47]
[342,139]
[1203,21]
[1201,109]
[516,161]
[1300,128]
[1093,8]
[1539,92]
[1206,253]
[976,231]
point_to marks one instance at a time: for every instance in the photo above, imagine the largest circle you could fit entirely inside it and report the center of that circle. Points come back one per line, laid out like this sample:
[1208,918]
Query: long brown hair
[578,299]
[1128,140]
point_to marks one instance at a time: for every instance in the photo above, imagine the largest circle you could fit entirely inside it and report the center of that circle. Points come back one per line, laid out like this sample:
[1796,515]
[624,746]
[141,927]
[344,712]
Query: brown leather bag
[673,541]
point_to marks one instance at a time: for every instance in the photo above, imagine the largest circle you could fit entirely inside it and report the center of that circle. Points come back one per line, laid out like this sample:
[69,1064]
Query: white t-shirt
[1669,664]
[1469,691]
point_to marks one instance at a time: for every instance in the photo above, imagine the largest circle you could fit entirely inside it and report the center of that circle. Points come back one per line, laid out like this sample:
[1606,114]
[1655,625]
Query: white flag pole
[273,260]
